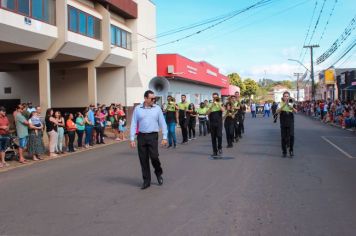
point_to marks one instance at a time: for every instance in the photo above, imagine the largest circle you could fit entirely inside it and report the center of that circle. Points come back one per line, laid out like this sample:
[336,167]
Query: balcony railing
[42,10]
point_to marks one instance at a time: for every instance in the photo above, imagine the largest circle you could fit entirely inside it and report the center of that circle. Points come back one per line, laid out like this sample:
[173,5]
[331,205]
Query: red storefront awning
[177,66]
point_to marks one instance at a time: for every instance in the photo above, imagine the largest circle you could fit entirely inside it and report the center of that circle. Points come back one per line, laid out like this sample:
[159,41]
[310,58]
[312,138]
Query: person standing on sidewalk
[285,111]
[182,116]
[4,135]
[148,117]
[22,132]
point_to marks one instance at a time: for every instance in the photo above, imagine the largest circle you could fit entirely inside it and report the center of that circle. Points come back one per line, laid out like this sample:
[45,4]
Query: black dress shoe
[220,152]
[145,185]
[160,180]
[284,155]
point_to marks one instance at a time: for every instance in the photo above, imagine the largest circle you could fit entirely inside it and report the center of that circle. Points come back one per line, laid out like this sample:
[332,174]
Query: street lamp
[299,63]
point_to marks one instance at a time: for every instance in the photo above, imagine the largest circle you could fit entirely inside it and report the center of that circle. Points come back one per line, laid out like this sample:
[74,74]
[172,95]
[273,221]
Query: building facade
[71,53]
[346,84]
[196,80]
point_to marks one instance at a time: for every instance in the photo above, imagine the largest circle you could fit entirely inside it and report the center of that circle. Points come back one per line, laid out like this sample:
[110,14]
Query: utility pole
[298,74]
[312,67]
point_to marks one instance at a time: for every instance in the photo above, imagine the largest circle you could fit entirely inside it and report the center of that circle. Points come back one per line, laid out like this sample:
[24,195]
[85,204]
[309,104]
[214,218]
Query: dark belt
[147,133]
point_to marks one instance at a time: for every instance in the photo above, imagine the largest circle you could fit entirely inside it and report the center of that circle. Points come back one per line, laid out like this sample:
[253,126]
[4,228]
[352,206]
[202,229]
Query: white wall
[24,86]
[69,88]
[111,85]
[178,88]
[144,65]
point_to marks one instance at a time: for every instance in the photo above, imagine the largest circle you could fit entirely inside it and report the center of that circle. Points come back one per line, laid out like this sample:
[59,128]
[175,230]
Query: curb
[47,158]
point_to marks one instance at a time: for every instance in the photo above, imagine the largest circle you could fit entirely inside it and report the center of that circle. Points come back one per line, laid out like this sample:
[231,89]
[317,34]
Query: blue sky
[257,43]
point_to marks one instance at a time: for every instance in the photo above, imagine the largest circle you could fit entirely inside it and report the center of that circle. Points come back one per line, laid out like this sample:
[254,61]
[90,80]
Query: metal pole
[312,68]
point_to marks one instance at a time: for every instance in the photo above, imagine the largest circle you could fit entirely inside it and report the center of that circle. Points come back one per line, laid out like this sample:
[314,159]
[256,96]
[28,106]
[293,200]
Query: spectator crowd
[337,112]
[85,128]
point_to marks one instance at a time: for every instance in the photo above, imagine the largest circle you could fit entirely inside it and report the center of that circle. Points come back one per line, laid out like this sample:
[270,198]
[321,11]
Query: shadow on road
[122,180]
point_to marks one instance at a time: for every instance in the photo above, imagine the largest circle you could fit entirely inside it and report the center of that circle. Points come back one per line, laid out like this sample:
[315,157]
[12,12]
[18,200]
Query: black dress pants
[184,126]
[71,135]
[147,146]
[287,133]
[229,130]
[216,135]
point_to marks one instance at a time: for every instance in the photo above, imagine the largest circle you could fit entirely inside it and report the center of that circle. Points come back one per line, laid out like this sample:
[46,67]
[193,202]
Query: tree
[235,79]
[250,87]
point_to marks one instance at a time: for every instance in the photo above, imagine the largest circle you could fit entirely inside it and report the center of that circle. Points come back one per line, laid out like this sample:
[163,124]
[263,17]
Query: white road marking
[337,147]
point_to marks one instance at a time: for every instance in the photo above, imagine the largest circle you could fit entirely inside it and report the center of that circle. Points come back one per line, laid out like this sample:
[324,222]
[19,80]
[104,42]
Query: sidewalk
[109,140]
[330,124]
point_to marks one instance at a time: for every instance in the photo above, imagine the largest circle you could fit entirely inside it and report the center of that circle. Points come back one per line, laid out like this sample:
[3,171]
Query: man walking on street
[148,118]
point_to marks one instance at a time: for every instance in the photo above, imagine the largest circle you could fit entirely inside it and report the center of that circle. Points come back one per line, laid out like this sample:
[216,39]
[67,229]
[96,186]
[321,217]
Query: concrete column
[44,83]
[92,85]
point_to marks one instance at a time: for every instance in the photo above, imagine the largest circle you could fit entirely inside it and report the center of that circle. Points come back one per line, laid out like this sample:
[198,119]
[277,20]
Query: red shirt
[4,122]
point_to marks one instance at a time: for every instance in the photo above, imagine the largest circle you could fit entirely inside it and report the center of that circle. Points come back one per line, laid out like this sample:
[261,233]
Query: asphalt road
[253,191]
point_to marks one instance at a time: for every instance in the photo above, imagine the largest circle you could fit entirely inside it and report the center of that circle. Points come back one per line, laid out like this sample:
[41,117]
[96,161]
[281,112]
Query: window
[7,90]
[37,7]
[43,10]
[73,20]
[124,39]
[83,23]
[120,37]
[24,7]
[9,4]
[113,30]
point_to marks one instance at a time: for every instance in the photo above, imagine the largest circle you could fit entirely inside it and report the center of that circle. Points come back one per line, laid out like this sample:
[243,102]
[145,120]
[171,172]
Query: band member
[192,121]
[206,104]
[285,111]
[229,124]
[171,119]
[148,118]
[202,116]
[215,116]
[237,118]
[183,122]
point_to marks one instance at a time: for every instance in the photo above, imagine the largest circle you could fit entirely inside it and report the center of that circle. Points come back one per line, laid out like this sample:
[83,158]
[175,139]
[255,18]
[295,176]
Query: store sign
[192,69]
[329,76]
[209,72]
[353,83]
[342,79]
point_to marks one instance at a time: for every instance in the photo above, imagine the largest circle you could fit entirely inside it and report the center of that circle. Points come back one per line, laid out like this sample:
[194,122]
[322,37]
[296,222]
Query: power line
[259,20]
[327,22]
[204,22]
[338,42]
[347,59]
[317,22]
[311,21]
[315,27]
[254,6]
[348,49]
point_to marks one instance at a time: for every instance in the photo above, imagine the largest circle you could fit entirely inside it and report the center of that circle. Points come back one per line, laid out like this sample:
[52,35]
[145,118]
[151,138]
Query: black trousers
[147,146]
[216,135]
[80,134]
[229,130]
[184,126]
[71,136]
[99,134]
[191,128]
[237,128]
[287,134]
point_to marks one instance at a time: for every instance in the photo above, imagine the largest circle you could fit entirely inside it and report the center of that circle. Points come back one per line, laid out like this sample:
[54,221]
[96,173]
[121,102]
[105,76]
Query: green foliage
[251,87]
[235,79]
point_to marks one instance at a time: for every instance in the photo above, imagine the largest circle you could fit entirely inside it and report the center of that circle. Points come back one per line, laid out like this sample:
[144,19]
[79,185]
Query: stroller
[12,153]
